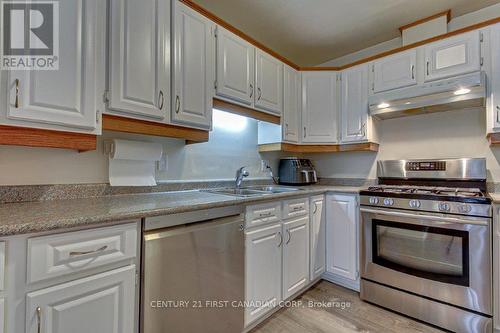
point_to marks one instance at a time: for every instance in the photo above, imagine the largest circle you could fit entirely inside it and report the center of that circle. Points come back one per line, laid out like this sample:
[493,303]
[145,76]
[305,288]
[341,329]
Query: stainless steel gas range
[426,242]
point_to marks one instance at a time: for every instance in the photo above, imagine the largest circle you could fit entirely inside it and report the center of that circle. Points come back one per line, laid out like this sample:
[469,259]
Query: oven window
[433,253]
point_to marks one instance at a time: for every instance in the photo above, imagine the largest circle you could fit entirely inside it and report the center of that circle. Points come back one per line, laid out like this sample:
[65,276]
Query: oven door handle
[443,219]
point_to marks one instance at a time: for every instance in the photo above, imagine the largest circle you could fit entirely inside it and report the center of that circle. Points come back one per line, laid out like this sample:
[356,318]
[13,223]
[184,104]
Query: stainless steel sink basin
[243,192]
[274,189]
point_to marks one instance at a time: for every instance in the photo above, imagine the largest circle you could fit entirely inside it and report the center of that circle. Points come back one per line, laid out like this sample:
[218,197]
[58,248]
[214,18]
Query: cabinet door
[268,83]
[295,256]
[341,232]
[395,71]
[318,239]
[194,67]
[139,58]
[496,268]
[103,303]
[70,96]
[263,270]
[291,104]
[493,107]
[453,56]
[354,104]
[319,107]
[235,67]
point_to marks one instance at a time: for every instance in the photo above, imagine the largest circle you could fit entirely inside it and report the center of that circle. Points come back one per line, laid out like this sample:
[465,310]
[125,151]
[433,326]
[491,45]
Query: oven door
[443,257]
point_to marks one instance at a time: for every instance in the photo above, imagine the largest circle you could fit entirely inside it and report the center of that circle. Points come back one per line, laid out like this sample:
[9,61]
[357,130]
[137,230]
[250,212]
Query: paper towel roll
[136,150]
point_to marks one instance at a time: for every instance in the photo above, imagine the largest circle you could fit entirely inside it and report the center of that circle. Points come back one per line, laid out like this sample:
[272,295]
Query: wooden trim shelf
[334,148]
[427,19]
[493,138]
[244,111]
[121,124]
[34,137]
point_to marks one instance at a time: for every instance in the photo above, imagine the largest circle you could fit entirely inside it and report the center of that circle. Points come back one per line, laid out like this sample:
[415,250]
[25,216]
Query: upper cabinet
[268,83]
[69,98]
[493,85]
[235,67]
[291,105]
[354,104]
[453,56]
[194,68]
[395,71]
[319,107]
[139,58]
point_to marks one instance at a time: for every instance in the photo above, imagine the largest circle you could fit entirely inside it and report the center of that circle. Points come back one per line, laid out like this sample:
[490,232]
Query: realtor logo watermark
[30,37]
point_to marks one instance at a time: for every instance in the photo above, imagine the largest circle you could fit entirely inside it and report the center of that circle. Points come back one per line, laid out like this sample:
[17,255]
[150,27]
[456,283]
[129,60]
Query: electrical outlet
[263,165]
[162,165]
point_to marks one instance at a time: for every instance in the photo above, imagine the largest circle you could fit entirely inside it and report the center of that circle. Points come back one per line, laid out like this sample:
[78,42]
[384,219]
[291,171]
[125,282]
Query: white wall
[217,159]
[459,133]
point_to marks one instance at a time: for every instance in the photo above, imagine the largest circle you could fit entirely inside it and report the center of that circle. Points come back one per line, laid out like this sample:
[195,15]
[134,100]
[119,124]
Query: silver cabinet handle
[362,129]
[161,100]
[289,237]
[305,131]
[413,72]
[251,90]
[39,319]
[16,103]
[177,104]
[297,208]
[281,238]
[286,129]
[427,66]
[498,114]
[265,214]
[260,94]
[315,207]
[79,253]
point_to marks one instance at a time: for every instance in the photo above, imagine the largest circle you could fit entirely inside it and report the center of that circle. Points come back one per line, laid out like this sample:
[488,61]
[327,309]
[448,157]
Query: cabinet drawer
[295,208]
[62,254]
[263,214]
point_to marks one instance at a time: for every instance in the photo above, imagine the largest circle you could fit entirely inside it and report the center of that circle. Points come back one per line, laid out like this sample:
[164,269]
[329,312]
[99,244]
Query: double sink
[253,191]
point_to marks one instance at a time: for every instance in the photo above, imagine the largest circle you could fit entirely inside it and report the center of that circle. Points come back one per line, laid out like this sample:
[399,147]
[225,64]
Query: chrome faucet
[240,174]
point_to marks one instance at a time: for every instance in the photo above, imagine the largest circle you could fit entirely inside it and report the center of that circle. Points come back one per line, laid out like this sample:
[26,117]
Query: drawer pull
[265,214]
[296,208]
[78,253]
[39,319]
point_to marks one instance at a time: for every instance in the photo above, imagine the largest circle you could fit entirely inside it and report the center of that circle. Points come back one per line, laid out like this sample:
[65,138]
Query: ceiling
[311,32]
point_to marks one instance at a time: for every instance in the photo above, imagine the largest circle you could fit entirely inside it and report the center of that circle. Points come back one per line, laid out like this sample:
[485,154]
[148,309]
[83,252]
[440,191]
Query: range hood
[460,92]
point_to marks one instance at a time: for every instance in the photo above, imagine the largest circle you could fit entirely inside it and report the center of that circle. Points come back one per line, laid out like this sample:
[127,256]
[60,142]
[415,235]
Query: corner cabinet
[453,56]
[318,237]
[139,59]
[319,107]
[234,68]
[395,71]
[354,110]
[194,67]
[268,83]
[69,98]
[342,264]
[291,105]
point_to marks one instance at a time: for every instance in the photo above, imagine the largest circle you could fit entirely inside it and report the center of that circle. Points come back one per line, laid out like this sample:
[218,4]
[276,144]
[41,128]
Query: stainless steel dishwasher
[193,267]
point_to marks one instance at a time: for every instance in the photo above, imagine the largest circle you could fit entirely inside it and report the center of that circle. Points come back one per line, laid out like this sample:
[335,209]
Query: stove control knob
[414,204]
[444,207]
[464,209]
[388,202]
[373,200]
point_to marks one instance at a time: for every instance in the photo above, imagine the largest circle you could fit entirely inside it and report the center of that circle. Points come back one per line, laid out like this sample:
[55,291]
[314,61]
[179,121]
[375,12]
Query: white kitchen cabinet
[354,104]
[317,228]
[493,77]
[103,303]
[395,71]
[235,68]
[342,239]
[268,83]
[295,255]
[263,266]
[69,98]
[194,68]
[453,56]
[319,107]
[291,105]
[139,58]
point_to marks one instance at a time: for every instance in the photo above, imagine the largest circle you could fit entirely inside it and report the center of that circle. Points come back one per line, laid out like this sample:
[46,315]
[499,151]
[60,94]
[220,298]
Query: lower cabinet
[342,264]
[295,255]
[496,268]
[318,240]
[263,270]
[103,303]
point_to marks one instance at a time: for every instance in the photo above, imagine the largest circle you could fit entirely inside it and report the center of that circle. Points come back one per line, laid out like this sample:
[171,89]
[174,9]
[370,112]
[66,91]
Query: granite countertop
[45,216]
